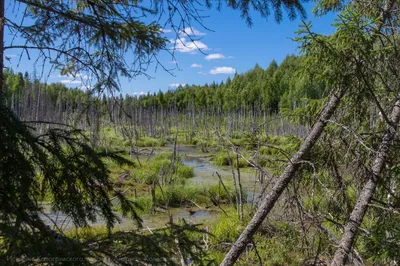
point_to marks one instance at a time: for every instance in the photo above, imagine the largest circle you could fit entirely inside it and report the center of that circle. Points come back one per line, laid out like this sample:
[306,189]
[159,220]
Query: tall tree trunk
[284,180]
[240,185]
[357,215]
[37,104]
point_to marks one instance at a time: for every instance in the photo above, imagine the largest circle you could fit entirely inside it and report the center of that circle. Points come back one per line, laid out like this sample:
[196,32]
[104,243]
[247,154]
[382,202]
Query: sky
[227,45]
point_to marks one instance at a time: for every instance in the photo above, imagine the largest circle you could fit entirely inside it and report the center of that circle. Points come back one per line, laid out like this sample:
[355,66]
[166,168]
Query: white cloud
[140,93]
[166,30]
[196,65]
[222,70]
[70,81]
[214,56]
[187,46]
[176,85]
[191,32]
[202,73]
[81,76]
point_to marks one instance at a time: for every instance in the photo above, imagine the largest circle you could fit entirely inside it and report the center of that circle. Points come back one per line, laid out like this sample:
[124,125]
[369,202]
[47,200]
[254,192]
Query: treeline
[247,102]
[258,90]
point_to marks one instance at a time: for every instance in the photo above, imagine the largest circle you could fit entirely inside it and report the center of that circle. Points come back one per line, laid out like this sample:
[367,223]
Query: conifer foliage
[83,38]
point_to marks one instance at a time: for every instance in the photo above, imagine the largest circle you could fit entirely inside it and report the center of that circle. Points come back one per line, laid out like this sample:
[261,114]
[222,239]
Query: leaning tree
[86,38]
[357,62]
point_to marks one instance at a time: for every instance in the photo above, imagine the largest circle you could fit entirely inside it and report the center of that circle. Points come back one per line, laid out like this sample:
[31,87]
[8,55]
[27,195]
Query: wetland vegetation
[293,164]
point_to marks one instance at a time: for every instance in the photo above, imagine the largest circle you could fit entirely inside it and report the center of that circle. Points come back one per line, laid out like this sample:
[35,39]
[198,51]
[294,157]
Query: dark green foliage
[383,245]
[83,38]
[258,90]
[58,164]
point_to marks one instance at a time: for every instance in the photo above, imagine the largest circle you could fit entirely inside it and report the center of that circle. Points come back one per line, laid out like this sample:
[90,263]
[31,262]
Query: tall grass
[160,167]
[222,159]
[178,195]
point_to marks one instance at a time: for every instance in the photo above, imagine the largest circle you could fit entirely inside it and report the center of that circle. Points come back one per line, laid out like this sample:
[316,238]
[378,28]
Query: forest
[294,164]
[244,103]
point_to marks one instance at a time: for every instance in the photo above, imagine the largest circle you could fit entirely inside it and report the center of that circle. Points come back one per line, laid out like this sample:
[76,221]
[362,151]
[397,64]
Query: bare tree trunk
[38,104]
[357,215]
[240,186]
[234,184]
[175,142]
[283,181]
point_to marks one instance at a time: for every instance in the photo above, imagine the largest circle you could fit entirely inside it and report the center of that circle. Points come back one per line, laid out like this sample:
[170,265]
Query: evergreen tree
[81,37]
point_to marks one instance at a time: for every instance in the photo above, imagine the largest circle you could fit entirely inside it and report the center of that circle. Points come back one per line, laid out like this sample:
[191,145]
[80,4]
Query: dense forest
[241,104]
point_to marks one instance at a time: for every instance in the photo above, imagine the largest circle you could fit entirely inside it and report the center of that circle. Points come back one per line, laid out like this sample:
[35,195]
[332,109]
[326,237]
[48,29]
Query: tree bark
[283,181]
[352,227]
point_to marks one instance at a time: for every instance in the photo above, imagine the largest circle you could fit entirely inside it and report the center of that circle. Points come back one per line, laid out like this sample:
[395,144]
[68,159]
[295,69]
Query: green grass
[184,171]
[115,139]
[177,195]
[222,159]
[150,142]
[160,166]
[280,247]
[227,229]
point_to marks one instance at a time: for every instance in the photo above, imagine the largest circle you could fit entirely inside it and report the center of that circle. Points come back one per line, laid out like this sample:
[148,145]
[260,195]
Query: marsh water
[204,175]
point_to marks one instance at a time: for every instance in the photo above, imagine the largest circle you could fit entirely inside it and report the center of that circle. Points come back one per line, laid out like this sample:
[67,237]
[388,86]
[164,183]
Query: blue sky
[229,46]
